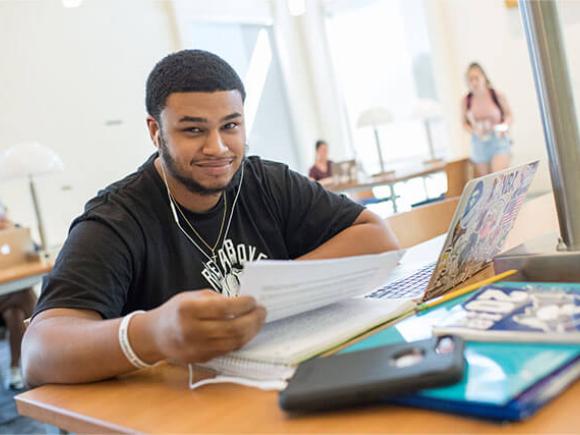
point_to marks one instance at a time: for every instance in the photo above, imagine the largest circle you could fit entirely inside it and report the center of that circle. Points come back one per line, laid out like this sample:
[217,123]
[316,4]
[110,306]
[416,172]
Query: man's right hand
[196,326]
[67,345]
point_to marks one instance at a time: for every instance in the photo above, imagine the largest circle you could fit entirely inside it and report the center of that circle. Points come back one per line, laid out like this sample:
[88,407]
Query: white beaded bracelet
[126,346]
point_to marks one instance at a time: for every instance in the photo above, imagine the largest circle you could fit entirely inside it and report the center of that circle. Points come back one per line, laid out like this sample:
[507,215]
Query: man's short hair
[189,71]
[319,143]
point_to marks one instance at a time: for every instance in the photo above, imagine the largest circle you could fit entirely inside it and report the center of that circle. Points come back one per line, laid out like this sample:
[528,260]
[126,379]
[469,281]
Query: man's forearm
[368,235]
[72,349]
[73,346]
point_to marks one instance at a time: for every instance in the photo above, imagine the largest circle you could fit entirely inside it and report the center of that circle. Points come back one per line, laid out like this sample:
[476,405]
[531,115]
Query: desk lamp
[30,160]
[375,117]
[428,111]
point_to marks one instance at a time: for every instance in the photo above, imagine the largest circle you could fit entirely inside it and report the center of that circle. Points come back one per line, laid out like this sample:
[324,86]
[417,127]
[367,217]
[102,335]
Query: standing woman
[488,118]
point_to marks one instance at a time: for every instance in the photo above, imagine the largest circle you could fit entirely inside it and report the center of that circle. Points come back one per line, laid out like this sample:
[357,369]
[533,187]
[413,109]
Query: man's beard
[189,183]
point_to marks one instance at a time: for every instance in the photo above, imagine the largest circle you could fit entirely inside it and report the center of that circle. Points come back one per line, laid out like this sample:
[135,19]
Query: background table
[389,179]
[23,276]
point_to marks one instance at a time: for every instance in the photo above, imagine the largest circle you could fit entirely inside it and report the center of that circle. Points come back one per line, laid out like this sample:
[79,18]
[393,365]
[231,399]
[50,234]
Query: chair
[423,223]
[365,197]
[458,172]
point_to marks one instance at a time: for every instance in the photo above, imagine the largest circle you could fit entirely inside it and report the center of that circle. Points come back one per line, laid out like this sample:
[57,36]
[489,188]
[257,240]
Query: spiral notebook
[310,301]
[282,345]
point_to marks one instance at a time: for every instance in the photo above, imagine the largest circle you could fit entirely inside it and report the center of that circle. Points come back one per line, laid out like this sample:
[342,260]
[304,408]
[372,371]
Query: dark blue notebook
[503,381]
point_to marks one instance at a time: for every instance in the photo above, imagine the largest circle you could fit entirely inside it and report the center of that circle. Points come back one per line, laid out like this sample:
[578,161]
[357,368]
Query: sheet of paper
[273,385]
[286,287]
[275,379]
[302,336]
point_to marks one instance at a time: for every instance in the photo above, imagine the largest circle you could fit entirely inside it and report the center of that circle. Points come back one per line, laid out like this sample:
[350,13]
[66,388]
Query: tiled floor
[10,421]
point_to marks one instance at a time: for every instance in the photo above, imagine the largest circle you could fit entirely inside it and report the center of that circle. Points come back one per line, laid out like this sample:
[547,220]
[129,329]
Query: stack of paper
[286,288]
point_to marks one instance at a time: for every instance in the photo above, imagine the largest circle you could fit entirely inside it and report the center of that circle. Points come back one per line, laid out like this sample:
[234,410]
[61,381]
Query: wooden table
[158,399]
[390,179]
[23,275]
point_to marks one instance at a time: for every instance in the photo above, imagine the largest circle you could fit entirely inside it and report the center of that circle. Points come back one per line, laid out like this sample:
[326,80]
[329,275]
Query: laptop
[485,215]
[16,247]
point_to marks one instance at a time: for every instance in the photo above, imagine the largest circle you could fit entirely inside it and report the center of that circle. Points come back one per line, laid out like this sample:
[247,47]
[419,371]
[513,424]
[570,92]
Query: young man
[185,222]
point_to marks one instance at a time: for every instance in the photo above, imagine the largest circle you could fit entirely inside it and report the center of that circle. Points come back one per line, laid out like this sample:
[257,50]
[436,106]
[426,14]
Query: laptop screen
[484,217]
[16,246]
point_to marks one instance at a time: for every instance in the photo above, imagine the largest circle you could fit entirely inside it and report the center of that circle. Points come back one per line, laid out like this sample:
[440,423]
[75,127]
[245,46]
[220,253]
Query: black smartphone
[372,375]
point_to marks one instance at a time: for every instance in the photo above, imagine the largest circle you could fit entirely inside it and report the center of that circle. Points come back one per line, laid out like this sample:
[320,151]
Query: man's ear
[154,130]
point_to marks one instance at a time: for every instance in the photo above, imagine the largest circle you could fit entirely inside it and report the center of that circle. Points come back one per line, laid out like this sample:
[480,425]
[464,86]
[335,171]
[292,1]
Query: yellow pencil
[460,292]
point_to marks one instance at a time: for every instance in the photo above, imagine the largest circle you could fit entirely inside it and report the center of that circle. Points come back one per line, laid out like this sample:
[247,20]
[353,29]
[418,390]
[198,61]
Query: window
[382,57]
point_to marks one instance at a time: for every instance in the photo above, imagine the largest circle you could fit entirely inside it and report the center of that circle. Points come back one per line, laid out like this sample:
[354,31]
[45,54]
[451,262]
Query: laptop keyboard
[411,286]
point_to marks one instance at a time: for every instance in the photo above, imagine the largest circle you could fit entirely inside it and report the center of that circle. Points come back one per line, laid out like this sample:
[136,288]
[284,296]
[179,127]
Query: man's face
[201,139]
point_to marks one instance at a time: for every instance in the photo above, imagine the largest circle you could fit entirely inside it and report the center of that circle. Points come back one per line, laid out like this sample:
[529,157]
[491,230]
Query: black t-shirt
[126,252]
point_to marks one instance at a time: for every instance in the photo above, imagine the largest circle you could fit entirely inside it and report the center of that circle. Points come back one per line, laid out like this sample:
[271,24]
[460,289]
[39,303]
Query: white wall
[487,32]
[328,104]
[299,87]
[66,75]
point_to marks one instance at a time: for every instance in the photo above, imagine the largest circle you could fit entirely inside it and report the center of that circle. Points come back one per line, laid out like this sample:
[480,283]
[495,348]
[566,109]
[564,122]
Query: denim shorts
[484,150]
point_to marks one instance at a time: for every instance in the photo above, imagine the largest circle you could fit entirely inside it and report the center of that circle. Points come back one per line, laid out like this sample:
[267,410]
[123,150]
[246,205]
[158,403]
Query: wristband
[128,351]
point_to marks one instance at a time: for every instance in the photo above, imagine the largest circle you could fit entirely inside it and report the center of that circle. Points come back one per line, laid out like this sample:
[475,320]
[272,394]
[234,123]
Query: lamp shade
[426,108]
[374,116]
[28,159]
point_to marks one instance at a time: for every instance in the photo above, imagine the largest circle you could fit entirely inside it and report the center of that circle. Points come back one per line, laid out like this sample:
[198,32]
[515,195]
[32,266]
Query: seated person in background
[14,308]
[4,222]
[321,171]
[133,279]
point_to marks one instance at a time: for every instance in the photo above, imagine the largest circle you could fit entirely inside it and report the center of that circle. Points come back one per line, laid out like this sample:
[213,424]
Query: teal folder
[504,381]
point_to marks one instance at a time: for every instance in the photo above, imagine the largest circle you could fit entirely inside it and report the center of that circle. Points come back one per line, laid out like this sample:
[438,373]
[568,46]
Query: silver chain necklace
[194,231]
[173,205]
